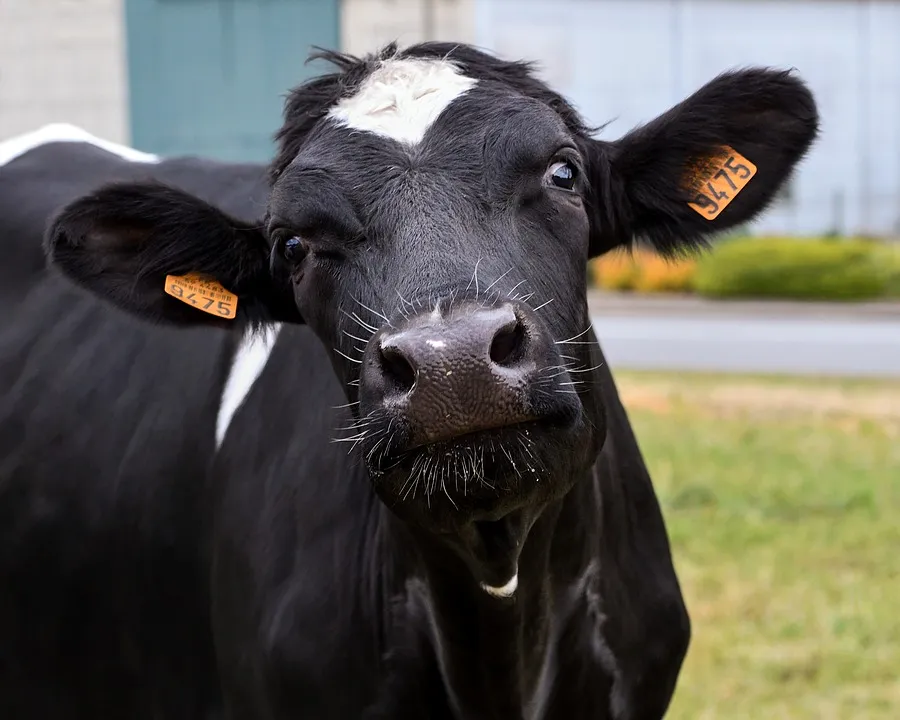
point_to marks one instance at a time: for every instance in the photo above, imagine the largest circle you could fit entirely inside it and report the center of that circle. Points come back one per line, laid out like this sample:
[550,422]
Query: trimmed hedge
[762,267]
[642,271]
[890,256]
[813,269]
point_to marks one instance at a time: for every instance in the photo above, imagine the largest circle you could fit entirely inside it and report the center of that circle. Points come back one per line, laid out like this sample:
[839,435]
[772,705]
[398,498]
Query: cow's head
[431,215]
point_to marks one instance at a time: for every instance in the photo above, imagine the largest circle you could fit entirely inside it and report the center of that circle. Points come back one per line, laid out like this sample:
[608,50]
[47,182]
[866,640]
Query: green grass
[782,500]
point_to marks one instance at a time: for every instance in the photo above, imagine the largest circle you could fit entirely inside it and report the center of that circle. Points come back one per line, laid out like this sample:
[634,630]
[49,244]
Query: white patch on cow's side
[17,146]
[505,591]
[246,366]
[403,97]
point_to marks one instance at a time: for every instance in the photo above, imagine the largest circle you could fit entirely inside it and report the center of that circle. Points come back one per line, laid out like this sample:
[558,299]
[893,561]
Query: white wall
[626,61]
[623,61]
[63,61]
[367,25]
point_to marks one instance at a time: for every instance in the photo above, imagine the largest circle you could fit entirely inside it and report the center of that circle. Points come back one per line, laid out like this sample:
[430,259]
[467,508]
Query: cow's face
[430,218]
[435,232]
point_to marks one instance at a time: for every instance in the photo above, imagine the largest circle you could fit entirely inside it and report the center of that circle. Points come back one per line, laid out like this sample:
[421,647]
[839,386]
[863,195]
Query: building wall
[63,61]
[620,61]
[626,61]
[367,25]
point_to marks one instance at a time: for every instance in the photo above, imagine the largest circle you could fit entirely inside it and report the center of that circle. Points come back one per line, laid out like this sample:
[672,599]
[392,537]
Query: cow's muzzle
[450,373]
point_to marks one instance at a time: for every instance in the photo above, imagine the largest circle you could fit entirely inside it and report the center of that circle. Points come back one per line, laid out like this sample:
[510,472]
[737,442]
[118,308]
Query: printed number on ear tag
[718,181]
[206,295]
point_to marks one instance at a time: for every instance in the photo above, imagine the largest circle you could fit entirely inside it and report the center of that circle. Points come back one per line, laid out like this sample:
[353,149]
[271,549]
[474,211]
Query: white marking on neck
[248,363]
[402,98]
[505,591]
[63,132]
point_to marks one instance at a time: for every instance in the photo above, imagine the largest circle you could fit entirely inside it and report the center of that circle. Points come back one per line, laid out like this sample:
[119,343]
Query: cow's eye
[563,175]
[294,249]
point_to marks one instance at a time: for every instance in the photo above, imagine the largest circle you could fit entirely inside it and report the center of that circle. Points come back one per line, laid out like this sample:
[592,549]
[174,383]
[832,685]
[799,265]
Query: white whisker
[362,340]
[351,438]
[356,318]
[498,279]
[509,294]
[475,277]
[574,337]
[344,355]
[374,312]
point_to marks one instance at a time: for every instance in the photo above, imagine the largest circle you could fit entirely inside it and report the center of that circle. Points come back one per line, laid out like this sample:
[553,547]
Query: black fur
[312,583]
[769,116]
[125,239]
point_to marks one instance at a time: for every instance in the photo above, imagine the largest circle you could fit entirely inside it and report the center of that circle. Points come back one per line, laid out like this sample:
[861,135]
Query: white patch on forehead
[63,132]
[246,366]
[504,591]
[402,98]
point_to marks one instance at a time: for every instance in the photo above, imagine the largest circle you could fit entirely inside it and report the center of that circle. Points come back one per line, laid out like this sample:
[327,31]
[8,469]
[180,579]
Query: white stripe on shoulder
[402,98]
[16,146]
[248,363]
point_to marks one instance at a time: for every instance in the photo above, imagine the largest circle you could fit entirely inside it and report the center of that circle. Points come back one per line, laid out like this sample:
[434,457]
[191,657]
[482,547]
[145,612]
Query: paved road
[818,339]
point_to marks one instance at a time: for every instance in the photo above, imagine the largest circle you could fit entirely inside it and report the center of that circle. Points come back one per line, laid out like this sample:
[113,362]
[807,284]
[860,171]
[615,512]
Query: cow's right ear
[163,254]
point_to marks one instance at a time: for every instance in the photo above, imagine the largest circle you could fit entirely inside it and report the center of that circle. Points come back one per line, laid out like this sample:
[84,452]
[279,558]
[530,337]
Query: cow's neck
[491,650]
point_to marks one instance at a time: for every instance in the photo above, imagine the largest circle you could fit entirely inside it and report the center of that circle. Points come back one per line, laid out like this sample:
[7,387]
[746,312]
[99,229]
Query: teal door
[208,77]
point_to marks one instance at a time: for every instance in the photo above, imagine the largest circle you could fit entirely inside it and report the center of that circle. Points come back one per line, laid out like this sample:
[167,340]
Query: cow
[342,442]
[81,160]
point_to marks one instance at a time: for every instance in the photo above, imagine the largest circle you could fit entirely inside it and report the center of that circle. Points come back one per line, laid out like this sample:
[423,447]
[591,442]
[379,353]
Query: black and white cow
[180,534]
[79,161]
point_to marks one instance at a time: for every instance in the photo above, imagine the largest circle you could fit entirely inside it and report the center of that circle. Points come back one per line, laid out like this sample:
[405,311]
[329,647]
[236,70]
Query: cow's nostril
[508,345]
[398,371]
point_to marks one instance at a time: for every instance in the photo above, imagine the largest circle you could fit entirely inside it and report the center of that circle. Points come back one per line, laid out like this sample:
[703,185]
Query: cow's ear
[169,257]
[714,161]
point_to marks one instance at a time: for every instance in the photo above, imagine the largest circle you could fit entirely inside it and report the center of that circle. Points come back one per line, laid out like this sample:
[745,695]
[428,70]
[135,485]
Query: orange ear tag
[206,295]
[718,181]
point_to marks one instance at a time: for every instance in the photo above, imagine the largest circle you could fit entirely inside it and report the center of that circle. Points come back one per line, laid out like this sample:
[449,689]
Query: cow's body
[309,572]
[180,537]
[66,162]
[103,608]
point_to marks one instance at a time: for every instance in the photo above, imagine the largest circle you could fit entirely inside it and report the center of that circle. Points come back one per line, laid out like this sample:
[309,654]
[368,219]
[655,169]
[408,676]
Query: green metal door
[208,77]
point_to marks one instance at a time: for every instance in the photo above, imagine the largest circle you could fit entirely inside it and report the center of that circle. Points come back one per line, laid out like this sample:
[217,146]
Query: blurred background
[763,379]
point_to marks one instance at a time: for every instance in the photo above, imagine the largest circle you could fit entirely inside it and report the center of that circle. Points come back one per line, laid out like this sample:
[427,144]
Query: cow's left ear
[169,257]
[715,160]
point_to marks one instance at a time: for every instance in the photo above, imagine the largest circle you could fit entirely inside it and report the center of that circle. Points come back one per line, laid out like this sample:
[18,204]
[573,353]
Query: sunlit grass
[782,499]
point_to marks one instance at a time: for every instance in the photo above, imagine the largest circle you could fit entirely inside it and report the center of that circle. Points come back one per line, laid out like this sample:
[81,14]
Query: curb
[601,302]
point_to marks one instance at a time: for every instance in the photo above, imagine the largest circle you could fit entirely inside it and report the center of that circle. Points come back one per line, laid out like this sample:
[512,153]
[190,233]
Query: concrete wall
[63,61]
[626,61]
[368,24]
[623,61]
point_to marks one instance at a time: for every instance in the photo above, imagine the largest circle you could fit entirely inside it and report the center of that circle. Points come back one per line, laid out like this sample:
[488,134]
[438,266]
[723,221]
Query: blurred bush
[643,271]
[658,274]
[764,267]
[809,268]
[614,271]
[891,258]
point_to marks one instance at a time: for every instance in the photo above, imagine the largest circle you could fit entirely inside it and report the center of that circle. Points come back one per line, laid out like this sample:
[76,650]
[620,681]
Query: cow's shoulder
[53,134]
[127,409]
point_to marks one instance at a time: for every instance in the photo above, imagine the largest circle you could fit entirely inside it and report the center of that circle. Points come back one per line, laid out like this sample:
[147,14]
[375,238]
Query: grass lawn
[782,499]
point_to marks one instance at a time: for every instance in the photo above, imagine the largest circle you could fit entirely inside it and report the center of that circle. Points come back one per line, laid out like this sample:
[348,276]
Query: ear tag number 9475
[720,181]
[203,294]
